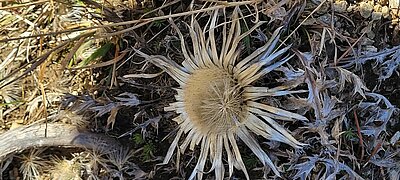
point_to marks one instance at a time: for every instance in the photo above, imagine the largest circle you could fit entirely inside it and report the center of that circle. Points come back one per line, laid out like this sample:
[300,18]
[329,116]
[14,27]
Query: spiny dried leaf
[376,117]
[395,138]
[304,169]
[345,75]
[132,100]
[333,167]
[386,61]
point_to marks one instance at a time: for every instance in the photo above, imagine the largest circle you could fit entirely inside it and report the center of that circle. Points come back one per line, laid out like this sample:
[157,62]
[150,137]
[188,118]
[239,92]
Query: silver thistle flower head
[216,102]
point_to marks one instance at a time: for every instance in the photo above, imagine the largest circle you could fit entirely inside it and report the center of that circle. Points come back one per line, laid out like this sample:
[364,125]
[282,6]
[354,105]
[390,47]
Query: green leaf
[99,53]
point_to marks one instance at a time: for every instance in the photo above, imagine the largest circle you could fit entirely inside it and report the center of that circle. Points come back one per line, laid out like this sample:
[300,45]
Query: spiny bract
[216,102]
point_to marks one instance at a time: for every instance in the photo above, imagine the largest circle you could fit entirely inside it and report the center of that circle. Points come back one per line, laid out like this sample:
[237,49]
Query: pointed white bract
[216,102]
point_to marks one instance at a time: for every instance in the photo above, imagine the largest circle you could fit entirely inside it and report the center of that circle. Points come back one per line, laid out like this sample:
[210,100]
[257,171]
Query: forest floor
[78,102]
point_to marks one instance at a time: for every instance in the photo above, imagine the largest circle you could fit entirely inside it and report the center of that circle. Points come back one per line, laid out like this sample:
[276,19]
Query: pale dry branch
[19,139]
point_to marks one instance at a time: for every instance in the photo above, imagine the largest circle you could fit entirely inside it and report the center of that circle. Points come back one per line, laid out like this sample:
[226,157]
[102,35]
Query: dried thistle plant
[65,169]
[216,102]
[121,165]
[32,165]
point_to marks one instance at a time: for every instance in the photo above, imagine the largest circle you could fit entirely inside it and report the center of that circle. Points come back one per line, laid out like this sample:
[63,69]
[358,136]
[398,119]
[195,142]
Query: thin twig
[350,48]
[114,68]
[379,145]
[359,134]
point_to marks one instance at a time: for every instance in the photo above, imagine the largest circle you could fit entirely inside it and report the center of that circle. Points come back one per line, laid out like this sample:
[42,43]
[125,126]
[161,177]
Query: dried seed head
[213,100]
[216,101]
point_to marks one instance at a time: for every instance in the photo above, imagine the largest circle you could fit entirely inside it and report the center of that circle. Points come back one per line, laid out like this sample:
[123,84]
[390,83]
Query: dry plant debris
[295,89]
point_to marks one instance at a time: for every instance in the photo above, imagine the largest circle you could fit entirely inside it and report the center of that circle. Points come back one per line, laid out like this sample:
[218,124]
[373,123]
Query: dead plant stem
[359,134]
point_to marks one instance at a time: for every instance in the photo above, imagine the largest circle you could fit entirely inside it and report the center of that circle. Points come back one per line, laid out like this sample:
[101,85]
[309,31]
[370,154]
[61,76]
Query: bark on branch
[19,139]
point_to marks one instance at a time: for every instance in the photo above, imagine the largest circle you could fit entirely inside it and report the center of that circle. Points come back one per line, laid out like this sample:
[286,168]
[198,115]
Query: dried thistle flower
[65,169]
[32,165]
[216,101]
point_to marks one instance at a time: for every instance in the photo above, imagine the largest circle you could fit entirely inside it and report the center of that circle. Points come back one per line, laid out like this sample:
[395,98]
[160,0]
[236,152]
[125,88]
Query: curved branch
[19,139]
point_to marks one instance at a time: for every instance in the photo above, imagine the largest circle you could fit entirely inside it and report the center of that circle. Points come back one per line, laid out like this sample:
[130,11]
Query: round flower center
[213,101]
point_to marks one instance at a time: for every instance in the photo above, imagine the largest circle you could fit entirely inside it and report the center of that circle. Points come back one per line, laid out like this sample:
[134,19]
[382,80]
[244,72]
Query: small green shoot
[137,139]
[159,23]
[148,147]
[350,135]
